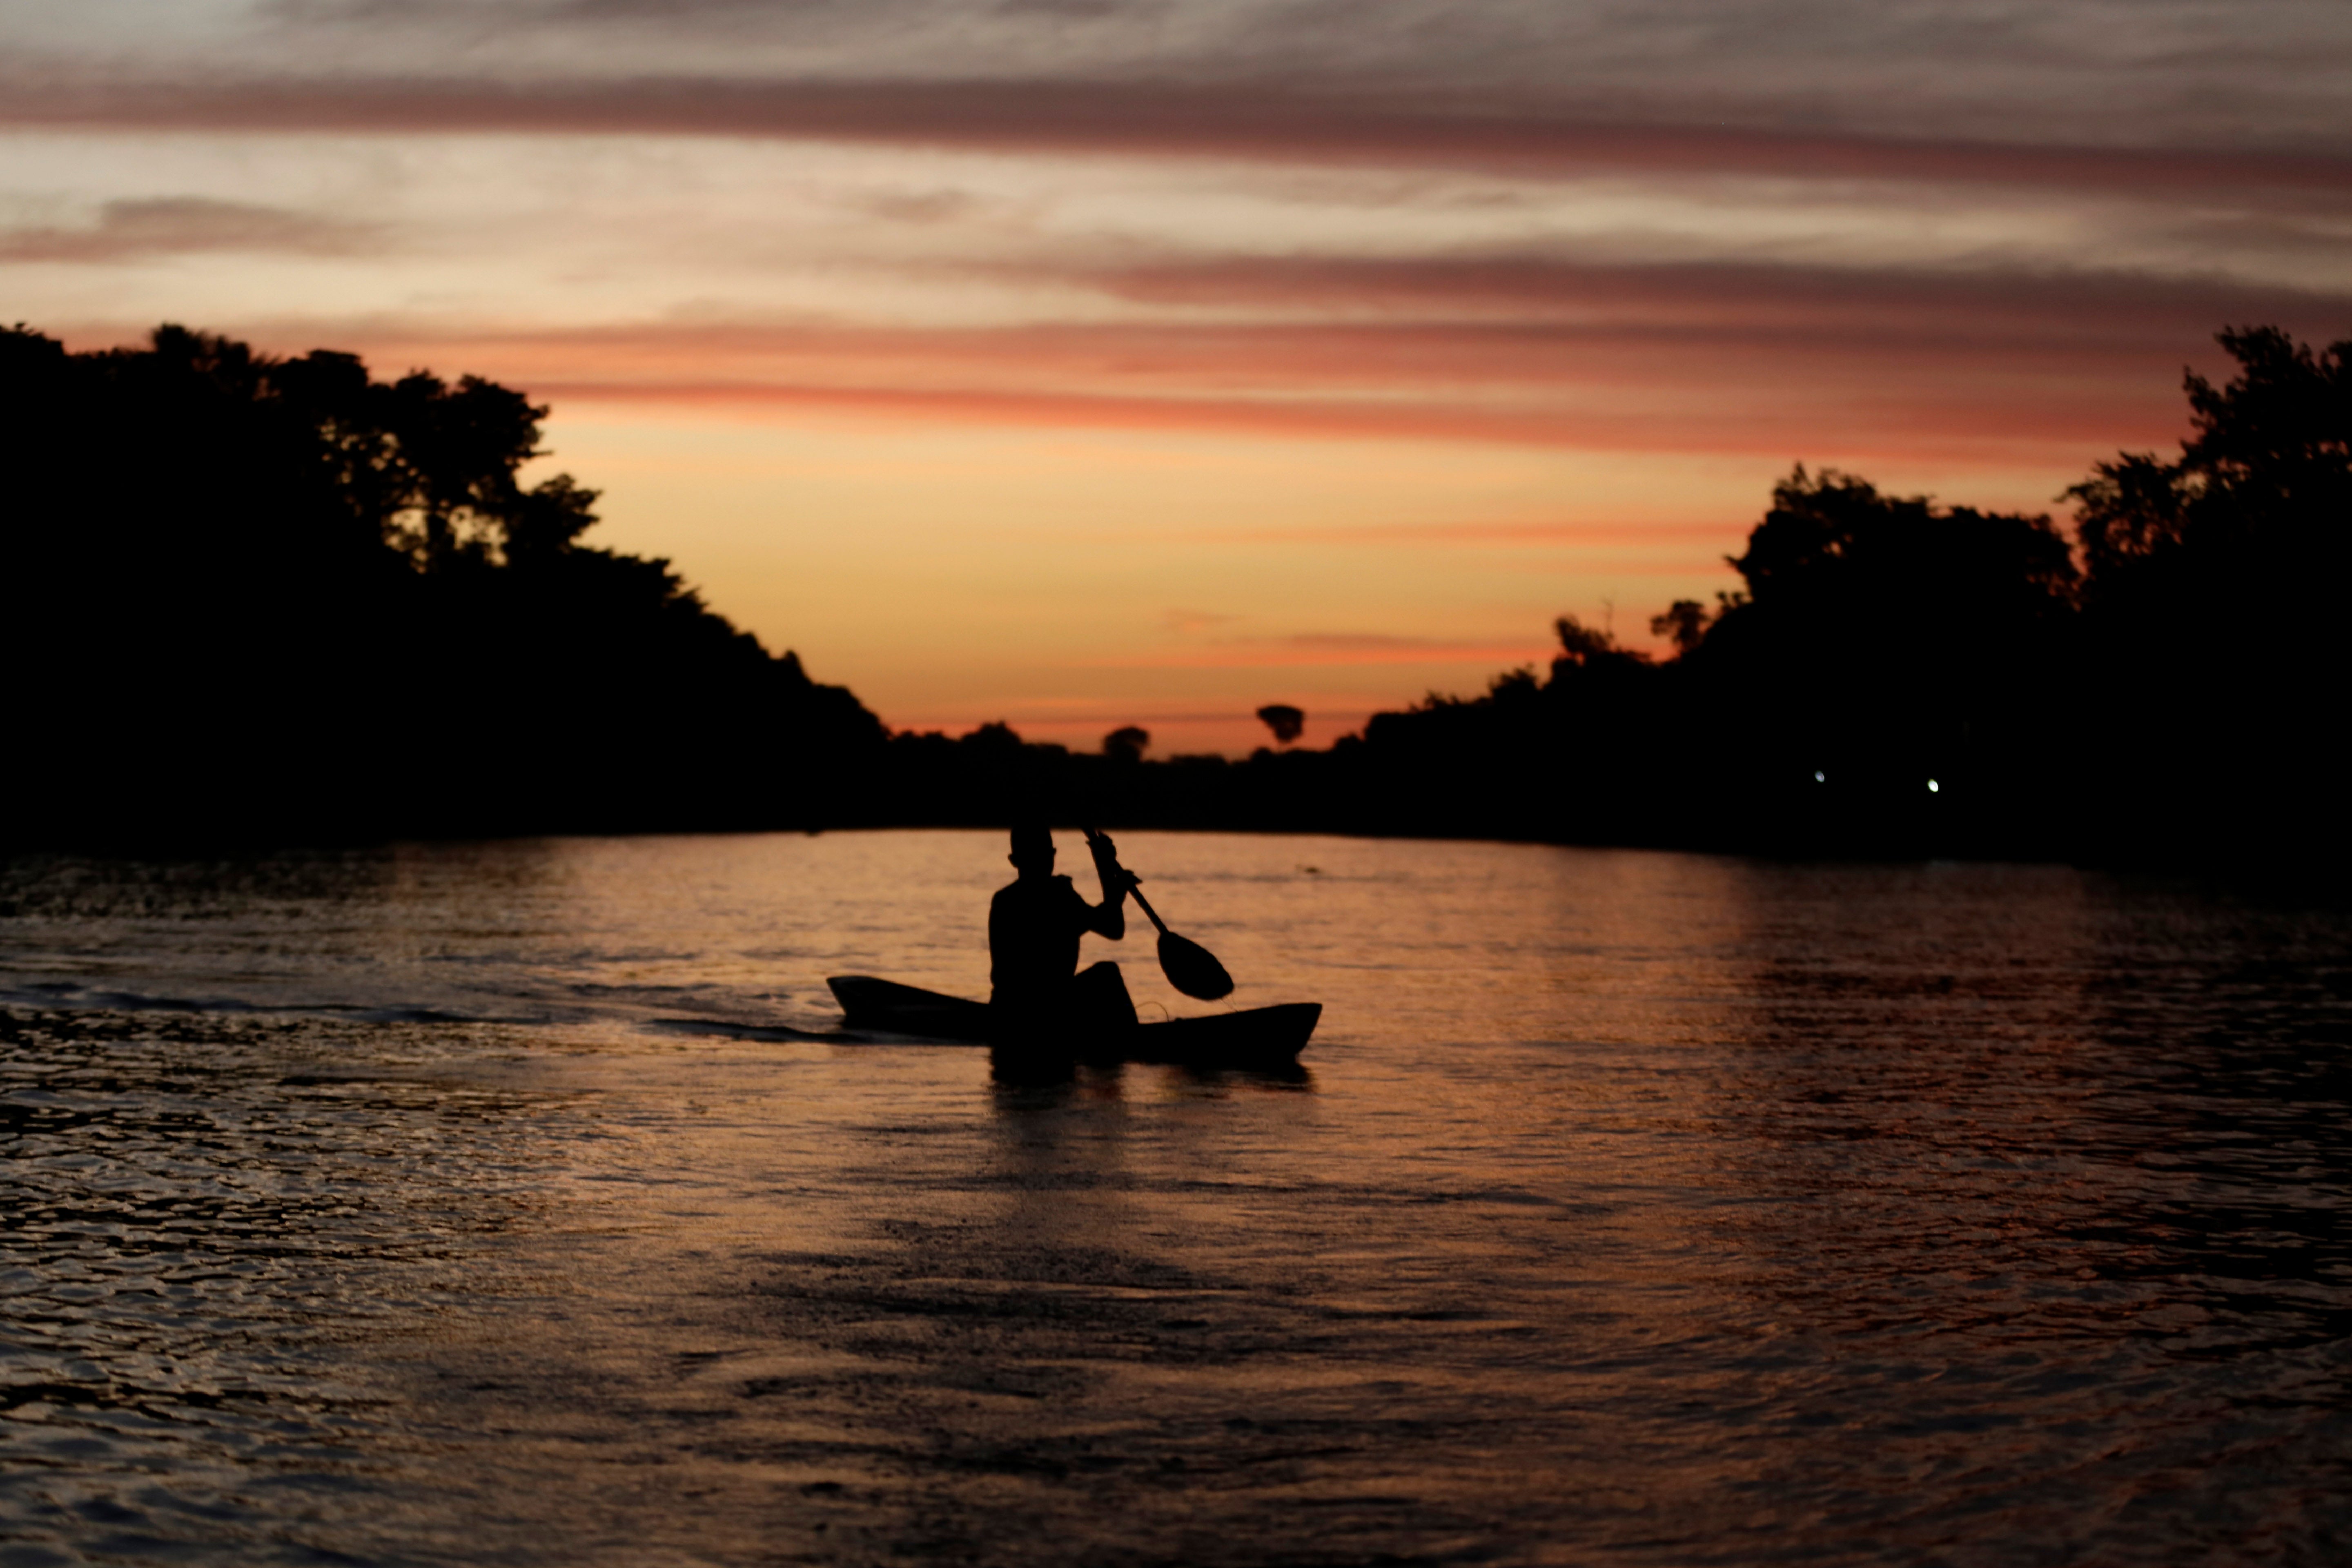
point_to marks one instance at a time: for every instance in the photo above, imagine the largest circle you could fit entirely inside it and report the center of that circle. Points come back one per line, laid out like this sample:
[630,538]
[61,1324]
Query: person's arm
[1108,919]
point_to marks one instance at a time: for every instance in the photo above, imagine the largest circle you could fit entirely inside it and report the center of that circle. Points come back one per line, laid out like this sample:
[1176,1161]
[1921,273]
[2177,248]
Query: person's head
[1033,850]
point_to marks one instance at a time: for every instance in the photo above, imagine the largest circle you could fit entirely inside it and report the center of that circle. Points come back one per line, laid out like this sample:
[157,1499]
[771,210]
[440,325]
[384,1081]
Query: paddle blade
[1193,969]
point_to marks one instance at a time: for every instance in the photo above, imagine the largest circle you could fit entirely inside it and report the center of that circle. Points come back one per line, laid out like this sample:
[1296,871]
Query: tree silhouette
[2211,658]
[322,605]
[1683,623]
[1286,722]
[243,596]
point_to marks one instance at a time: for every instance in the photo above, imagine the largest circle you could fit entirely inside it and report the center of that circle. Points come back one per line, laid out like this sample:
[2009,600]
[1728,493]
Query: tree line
[263,599]
[1893,677]
[278,598]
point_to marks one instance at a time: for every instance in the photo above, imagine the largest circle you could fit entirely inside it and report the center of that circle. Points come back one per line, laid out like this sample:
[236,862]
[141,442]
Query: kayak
[1250,1037]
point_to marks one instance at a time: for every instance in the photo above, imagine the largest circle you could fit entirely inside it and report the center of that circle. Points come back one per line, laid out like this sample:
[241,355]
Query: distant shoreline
[261,601]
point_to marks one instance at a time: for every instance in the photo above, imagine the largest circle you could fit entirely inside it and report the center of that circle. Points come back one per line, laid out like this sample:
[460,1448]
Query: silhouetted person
[1037,995]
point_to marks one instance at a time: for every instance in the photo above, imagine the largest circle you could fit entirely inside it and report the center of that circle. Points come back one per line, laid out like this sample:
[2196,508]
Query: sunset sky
[1082,363]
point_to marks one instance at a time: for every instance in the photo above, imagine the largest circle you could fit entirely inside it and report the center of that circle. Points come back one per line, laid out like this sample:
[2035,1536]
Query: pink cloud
[1623,388]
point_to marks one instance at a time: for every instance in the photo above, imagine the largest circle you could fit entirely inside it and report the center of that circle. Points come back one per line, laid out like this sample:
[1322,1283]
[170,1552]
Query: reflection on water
[206,1222]
[445,1204]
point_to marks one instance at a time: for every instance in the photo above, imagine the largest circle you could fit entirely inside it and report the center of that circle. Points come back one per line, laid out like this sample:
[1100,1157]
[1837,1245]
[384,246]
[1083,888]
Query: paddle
[1189,967]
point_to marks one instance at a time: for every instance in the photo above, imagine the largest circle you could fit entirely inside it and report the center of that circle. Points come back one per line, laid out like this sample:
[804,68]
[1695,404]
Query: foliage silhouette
[278,598]
[2212,664]
[1900,677]
[1286,722]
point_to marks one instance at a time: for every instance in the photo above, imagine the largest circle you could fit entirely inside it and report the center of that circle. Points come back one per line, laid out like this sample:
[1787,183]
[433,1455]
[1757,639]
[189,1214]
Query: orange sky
[1089,363]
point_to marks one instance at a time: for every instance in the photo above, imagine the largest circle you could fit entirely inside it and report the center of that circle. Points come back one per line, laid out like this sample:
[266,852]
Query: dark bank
[279,601]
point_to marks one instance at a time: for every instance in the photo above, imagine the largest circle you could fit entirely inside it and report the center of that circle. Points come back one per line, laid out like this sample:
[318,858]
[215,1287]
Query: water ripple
[510,1203]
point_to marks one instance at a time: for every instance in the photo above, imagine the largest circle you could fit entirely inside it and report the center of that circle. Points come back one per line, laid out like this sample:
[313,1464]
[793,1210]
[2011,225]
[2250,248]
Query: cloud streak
[2178,73]
[137,230]
[1977,375]
[1265,121]
[1316,649]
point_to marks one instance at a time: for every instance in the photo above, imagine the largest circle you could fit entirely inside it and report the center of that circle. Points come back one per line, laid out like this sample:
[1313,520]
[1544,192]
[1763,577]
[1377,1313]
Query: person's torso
[1033,936]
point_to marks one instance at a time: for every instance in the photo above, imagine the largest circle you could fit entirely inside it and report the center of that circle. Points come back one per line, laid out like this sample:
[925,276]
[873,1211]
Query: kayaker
[1033,927]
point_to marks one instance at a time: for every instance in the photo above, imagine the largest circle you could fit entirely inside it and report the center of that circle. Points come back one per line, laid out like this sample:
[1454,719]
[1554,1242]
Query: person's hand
[1106,864]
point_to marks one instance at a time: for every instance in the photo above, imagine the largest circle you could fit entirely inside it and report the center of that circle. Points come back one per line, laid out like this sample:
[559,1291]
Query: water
[468,1205]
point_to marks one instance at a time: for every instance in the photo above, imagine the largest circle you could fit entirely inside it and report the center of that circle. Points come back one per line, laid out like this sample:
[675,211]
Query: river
[472,1203]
